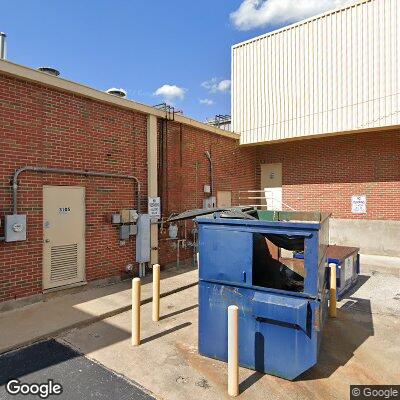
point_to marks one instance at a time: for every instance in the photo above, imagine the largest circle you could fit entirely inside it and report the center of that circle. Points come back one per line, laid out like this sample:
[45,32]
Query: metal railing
[264,198]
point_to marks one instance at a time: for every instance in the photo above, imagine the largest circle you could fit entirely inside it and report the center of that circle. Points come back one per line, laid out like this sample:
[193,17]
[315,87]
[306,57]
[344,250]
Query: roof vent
[3,47]
[49,70]
[117,92]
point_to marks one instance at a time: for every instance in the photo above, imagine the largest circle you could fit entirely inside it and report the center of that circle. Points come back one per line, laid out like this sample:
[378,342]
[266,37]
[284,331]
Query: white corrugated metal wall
[332,73]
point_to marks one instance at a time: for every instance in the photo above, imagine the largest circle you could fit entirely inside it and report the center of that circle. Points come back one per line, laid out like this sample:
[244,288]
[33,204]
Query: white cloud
[209,84]
[215,85]
[224,86]
[207,102]
[258,13]
[170,93]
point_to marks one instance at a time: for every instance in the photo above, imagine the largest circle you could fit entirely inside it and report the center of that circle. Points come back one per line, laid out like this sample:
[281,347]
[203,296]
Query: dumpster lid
[341,252]
[228,212]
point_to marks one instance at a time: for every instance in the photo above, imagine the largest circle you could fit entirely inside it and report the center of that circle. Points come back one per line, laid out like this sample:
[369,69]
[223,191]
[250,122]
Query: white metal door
[271,184]
[63,235]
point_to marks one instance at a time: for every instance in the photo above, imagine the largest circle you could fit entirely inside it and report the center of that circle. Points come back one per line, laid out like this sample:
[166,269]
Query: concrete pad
[382,264]
[26,325]
[374,294]
[361,346]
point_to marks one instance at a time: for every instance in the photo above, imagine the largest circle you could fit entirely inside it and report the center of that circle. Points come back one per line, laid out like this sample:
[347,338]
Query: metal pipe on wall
[3,46]
[197,184]
[165,181]
[163,167]
[208,155]
[71,172]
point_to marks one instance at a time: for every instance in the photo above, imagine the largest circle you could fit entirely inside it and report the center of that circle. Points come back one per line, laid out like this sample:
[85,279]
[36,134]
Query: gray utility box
[15,228]
[143,239]
[124,231]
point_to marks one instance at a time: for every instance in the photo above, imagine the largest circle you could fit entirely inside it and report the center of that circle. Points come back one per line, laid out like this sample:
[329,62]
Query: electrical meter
[15,228]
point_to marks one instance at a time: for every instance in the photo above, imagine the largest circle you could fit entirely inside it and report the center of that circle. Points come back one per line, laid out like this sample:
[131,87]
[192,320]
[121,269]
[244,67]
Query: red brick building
[324,174]
[49,122]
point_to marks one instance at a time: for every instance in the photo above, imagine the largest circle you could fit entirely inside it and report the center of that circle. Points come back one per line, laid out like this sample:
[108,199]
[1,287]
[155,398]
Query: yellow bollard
[156,292]
[136,311]
[332,291]
[233,351]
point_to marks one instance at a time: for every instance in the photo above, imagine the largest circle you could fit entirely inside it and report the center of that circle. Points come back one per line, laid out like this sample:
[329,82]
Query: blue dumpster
[282,305]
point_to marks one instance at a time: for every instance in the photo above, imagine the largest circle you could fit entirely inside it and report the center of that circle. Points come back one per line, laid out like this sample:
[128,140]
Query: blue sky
[143,45]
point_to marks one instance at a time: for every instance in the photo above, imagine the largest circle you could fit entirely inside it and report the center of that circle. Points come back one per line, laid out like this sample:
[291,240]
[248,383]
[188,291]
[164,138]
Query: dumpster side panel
[323,245]
[213,322]
[311,259]
[225,255]
[277,334]
[347,273]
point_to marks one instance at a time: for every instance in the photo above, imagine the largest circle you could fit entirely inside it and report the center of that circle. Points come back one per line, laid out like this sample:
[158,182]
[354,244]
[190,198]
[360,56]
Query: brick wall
[188,172]
[323,174]
[43,127]
[40,126]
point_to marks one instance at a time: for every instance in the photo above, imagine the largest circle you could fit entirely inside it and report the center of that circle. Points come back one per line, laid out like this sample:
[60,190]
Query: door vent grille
[64,262]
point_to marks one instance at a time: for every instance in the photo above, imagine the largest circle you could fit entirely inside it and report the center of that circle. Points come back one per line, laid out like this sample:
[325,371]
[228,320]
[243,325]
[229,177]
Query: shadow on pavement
[343,335]
[79,377]
[106,333]
[39,356]
[165,332]
[250,381]
[173,314]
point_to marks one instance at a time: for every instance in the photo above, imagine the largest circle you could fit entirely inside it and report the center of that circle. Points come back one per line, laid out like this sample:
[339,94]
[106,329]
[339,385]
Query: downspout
[70,172]
[208,155]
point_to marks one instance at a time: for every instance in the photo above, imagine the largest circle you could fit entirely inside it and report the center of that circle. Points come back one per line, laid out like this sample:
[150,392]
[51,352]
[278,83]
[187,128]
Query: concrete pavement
[382,264]
[361,346]
[43,320]
[167,362]
[75,308]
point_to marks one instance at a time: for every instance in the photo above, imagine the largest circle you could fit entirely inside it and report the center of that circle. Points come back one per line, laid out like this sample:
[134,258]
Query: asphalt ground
[79,377]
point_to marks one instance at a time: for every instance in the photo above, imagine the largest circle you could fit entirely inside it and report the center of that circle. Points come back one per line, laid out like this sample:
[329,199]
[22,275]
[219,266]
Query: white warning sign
[154,207]
[359,204]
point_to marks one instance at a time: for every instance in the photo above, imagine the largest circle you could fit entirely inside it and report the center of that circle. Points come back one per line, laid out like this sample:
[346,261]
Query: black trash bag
[271,273]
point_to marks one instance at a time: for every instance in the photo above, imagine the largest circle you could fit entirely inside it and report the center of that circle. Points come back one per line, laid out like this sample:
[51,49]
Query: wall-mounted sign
[154,207]
[64,210]
[359,204]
